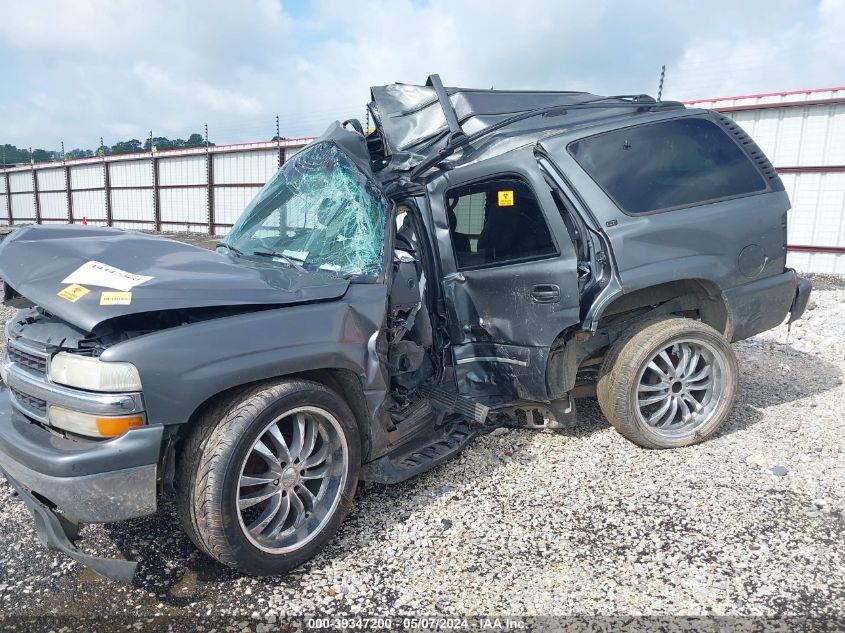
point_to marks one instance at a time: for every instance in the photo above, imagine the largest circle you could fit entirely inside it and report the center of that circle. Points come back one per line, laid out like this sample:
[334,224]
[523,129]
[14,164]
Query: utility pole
[662,76]
[206,135]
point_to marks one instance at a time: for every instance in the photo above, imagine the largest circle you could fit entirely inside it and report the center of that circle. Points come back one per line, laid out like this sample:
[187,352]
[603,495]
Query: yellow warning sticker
[506,198]
[115,298]
[73,292]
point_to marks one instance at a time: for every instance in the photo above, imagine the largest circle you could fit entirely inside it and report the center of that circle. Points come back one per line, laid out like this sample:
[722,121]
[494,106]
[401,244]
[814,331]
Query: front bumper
[65,482]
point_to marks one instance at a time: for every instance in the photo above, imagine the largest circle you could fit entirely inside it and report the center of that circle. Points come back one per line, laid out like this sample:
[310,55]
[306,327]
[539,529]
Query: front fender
[182,367]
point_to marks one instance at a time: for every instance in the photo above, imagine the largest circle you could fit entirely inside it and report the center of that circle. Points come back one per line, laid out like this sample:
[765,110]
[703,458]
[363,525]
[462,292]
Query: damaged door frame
[518,357]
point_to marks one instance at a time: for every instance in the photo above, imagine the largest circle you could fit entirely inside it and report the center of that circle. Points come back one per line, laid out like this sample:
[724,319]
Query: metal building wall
[803,134]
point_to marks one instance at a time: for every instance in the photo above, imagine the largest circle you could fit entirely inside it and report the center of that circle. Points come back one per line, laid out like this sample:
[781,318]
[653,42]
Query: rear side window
[667,165]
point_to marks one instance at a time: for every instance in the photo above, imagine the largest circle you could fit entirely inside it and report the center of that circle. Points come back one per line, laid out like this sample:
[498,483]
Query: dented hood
[47,264]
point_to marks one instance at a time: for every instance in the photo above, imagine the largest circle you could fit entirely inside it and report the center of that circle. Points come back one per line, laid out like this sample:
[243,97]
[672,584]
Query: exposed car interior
[497,222]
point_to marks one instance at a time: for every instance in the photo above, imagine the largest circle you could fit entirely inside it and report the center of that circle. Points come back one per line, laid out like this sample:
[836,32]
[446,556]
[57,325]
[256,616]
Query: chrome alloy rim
[680,388]
[292,479]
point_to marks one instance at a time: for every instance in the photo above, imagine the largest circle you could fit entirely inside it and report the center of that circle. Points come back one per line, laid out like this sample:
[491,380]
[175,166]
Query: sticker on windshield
[73,293]
[100,274]
[506,198]
[115,298]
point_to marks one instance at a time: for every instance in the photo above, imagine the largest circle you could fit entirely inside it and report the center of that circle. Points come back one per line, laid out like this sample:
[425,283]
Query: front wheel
[668,382]
[267,477]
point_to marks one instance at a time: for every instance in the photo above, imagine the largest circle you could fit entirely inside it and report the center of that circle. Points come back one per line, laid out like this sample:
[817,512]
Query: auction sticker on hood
[100,274]
[115,298]
[73,293]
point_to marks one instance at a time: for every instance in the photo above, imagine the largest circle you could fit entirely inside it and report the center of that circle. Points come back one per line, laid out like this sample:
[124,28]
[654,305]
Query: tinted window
[495,222]
[664,165]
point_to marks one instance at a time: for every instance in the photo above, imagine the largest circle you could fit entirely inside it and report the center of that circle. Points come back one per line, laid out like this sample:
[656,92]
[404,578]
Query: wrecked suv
[479,258]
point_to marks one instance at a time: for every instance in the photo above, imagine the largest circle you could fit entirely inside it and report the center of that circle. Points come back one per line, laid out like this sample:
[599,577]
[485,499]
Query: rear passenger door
[509,275]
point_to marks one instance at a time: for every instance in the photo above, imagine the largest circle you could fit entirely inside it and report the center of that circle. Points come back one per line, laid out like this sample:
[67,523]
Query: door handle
[545,293]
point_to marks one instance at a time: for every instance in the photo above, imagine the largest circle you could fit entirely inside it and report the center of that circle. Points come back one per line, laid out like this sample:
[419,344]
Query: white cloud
[119,68]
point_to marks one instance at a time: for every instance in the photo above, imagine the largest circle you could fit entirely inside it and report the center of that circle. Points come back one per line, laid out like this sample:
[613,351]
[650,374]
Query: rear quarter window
[668,165]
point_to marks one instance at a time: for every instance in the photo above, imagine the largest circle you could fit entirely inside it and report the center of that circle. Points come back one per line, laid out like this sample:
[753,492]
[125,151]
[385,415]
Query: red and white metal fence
[205,189]
[198,189]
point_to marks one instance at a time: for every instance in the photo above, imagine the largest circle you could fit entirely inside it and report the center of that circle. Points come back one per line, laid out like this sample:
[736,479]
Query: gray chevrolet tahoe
[477,259]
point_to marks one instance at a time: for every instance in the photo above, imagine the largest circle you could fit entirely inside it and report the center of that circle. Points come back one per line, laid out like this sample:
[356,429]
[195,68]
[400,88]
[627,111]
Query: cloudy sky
[76,70]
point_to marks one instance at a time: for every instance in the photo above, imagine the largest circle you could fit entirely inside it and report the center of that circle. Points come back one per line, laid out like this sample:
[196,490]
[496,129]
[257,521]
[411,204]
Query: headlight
[93,374]
[93,425]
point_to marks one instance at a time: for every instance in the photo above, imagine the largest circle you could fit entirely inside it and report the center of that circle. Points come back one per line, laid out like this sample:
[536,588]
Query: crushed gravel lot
[572,522]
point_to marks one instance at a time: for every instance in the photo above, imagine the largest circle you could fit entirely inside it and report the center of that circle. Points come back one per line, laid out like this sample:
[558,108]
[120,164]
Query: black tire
[210,463]
[625,365]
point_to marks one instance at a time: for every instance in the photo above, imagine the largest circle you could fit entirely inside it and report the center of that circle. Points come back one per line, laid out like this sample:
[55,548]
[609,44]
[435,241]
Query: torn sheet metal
[413,126]
[502,372]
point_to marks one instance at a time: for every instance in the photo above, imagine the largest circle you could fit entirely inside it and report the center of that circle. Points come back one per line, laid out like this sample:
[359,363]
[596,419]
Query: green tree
[126,147]
[195,140]
[9,154]
[44,156]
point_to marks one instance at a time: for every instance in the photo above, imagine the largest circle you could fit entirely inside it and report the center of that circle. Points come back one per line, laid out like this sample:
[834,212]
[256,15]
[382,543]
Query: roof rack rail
[458,138]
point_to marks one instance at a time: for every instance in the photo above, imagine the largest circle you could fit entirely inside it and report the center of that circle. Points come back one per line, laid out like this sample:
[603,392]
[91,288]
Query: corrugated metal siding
[183,170]
[53,205]
[87,176]
[23,208]
[798,137]
[90,205]
[229,202]
[181,195]
[135,173]
[51,179]
[4,200]
[132,204]
[248,167]
[20,182]
[184,205]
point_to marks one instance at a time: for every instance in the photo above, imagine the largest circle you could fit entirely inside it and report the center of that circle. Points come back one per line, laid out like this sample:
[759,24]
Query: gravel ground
[523,523]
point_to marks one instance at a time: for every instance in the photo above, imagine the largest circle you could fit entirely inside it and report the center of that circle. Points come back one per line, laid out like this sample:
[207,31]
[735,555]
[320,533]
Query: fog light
[93,425]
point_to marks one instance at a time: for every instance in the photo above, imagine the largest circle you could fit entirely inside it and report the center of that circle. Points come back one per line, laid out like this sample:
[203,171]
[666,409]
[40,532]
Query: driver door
[509,275]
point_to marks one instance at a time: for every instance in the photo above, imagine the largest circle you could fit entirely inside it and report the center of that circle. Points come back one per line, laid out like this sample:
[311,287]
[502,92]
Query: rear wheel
[668,382]
[267,477]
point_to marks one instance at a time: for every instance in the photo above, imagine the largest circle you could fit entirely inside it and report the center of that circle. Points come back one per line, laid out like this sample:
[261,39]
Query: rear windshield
[667,165]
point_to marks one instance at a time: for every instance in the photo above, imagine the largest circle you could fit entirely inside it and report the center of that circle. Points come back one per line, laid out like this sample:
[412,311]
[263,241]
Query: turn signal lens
[112,427]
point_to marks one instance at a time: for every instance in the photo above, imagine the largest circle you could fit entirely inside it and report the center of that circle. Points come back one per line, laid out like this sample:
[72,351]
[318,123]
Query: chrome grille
[27,359]
[34,406]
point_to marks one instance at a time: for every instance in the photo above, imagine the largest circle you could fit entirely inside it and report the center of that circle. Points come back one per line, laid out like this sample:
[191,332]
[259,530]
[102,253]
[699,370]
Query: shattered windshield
[319,212]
